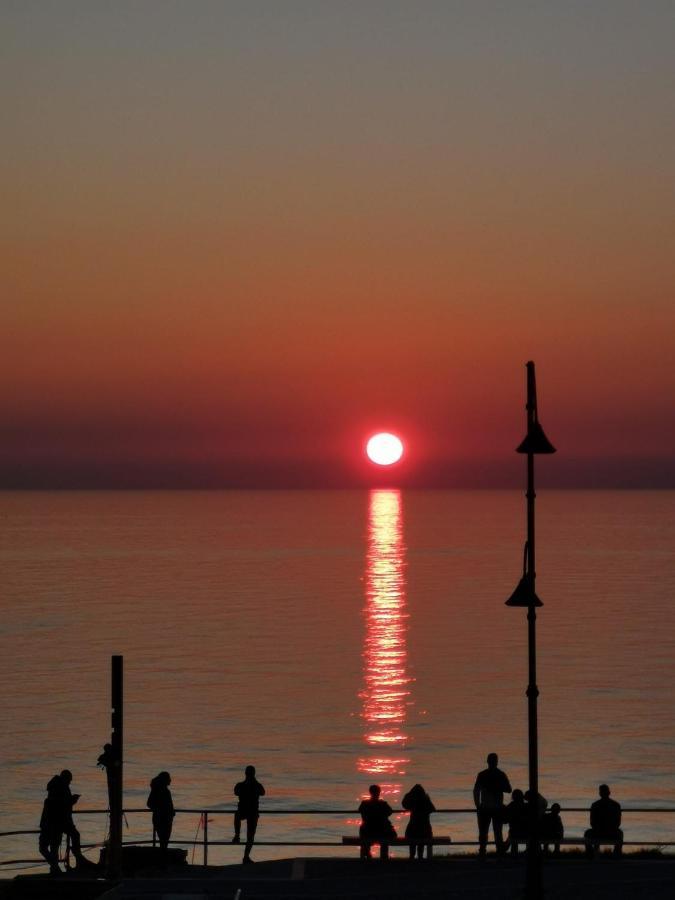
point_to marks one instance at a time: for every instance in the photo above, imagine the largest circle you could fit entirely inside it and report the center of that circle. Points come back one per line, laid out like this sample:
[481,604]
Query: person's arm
[594,816]
[507,785]
[237,789]
[476,793]
[405,803]
[388,810]
[261,790]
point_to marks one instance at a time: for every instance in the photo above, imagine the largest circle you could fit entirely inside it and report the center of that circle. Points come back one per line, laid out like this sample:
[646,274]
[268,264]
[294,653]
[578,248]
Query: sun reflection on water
[386,692]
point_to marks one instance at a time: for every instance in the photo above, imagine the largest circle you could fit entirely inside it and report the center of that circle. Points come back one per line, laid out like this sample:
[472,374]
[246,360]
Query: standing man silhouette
[51,824]
[488,796]
[249,791]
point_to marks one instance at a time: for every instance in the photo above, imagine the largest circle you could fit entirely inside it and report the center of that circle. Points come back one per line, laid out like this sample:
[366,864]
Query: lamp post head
[535,441]
[524,595]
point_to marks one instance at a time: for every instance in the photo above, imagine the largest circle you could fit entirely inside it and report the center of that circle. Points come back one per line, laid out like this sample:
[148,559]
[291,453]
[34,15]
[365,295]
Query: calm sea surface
[334,639]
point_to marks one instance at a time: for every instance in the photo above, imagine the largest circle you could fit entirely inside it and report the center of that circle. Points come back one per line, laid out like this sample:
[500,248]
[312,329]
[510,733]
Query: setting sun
[384,449]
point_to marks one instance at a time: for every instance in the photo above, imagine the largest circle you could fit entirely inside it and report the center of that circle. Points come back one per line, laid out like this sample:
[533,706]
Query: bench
[566,841]
[350,840]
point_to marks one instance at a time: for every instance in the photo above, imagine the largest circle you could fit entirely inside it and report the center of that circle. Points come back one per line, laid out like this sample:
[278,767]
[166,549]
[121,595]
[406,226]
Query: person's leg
[163,835]
[411,850]
[237,828]
[74,835]
[483,827]
[618,847]
[588,842]
[251,828]
[48,845]
[384,850]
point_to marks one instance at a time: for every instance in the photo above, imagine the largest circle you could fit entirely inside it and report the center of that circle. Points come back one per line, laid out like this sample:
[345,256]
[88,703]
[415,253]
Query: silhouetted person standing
[375,825]
[418,830]
[51,824]
[488,796]
[605,823]
[161,803]
[249,791]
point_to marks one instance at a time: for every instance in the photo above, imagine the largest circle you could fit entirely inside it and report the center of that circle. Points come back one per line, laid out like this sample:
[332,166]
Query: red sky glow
[235,242]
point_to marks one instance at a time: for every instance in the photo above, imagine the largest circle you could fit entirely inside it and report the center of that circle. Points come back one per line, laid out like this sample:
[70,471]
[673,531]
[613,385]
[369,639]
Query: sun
[384,449]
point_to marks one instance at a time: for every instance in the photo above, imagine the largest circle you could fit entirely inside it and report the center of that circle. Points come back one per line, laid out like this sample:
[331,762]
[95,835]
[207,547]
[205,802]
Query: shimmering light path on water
[251,628]
[386,694]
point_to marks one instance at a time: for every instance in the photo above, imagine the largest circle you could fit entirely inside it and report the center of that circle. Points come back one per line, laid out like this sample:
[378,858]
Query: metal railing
[205,842]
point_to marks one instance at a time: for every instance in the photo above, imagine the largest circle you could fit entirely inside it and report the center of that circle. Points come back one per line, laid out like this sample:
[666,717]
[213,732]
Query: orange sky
[236,241]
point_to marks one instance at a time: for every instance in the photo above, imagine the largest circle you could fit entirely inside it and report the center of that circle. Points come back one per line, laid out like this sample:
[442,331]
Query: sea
[333,639]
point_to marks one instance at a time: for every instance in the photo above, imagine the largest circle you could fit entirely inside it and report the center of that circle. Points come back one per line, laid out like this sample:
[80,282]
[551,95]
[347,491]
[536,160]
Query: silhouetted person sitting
[542,804]
[515,814]
[51,824]
[418,830]
[66,800]
[161,803]
[375,825]
[249,791]
[488,796]
[605,823]
[552,829]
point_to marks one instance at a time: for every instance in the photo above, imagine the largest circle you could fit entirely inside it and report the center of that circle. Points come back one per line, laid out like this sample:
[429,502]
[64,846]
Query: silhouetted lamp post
[525,596]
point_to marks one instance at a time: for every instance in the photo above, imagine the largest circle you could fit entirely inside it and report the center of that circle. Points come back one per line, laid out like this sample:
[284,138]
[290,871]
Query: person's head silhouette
[162,780]
[374,790]
[604,791]
[66,776]
[555,808]
[517,796]
[492,760]
[249,772]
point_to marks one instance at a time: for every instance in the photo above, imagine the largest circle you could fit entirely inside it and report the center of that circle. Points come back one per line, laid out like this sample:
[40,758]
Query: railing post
[205,822]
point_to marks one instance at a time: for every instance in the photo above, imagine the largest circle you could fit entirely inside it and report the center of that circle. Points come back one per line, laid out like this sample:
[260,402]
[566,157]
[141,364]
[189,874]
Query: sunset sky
[239,237]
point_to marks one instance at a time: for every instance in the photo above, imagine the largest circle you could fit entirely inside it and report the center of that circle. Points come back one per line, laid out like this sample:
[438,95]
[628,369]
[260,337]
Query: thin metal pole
[206,837]
[117,781]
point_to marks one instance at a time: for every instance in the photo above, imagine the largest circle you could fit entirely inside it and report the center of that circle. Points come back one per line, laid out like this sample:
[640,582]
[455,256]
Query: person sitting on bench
[552,829]
[375,825]
[605,822]
[515,815]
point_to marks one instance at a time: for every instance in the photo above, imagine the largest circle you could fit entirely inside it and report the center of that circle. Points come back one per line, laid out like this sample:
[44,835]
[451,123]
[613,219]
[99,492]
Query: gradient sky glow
[239,237]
